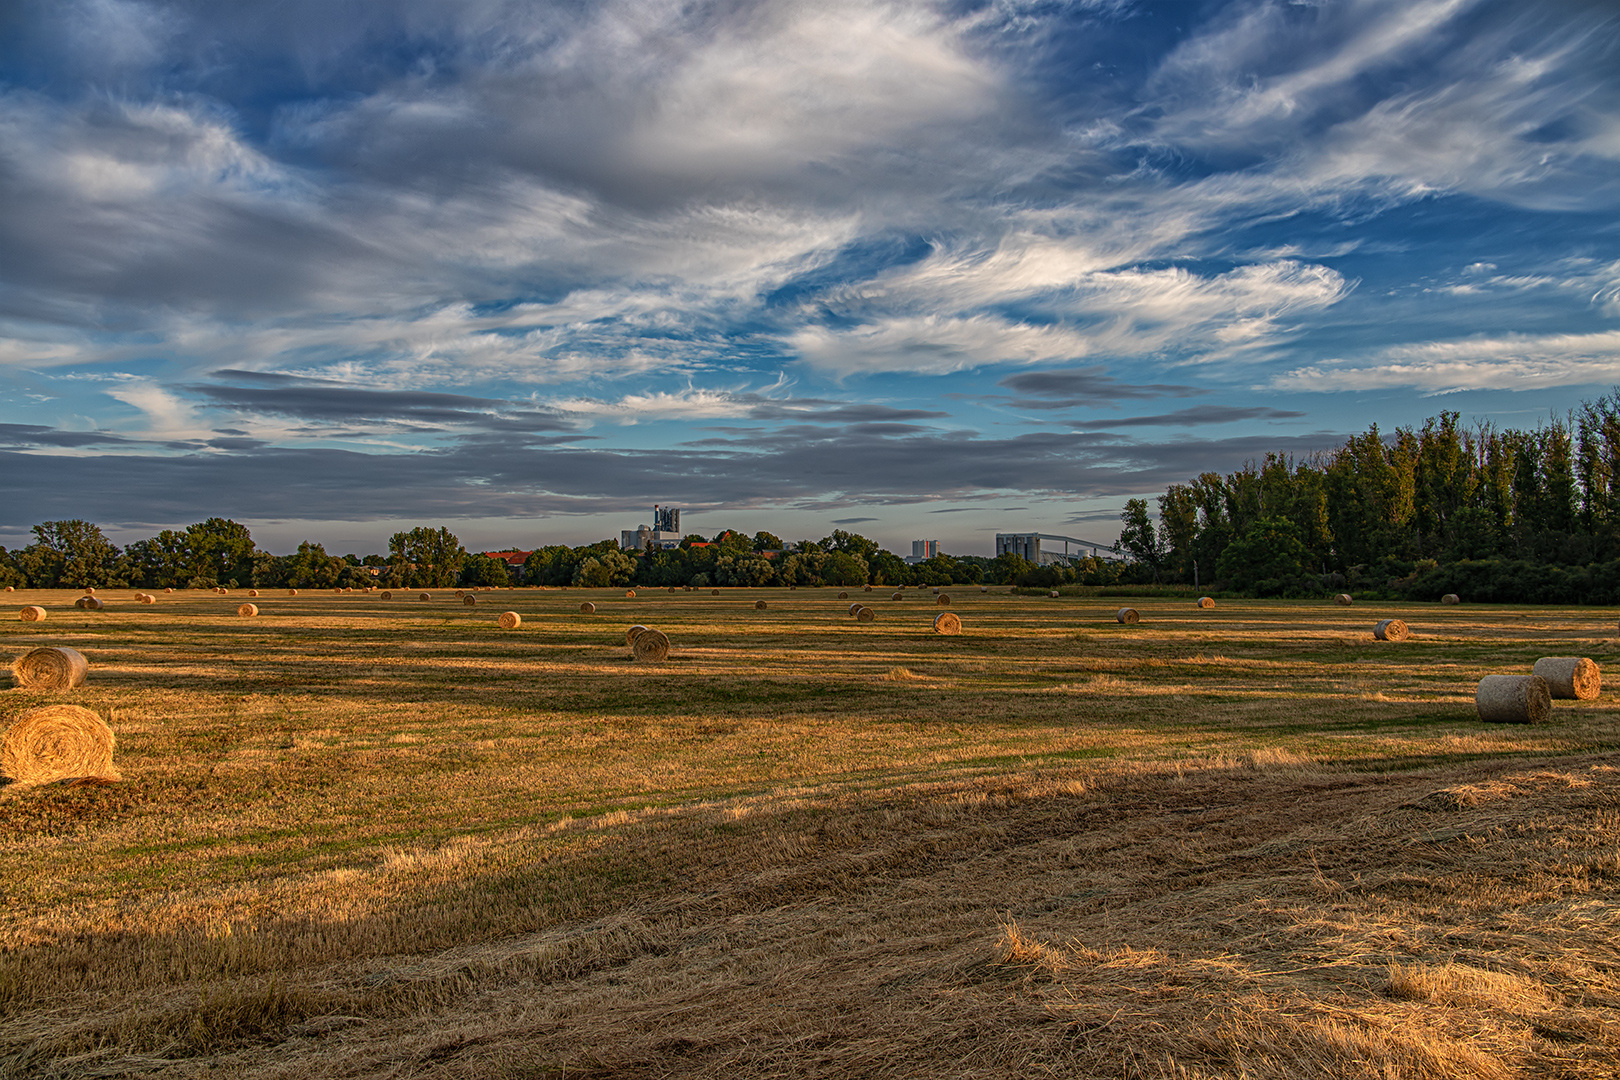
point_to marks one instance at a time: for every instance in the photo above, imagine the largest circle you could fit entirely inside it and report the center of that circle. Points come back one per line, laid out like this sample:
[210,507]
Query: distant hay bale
[867,589]
[1053,594]
[247,611]
[650,645]
[1206,601]
[856,606]
[1513,699]
[714,592]
[984,588]
[631,634]
[897,596]
[426,596]
[469,600]
[460,593]
[89,603]
[947,623]
[148,598]
[222,590]
[629,594]
[843,596]
[54,668]
[1391,630]
[510,620]
[1128,615]
[587,608]
[172,590]
[89,590]
[10,588]
[292,592]
[253,592]
[865,614]
[759,605]
[32,613]
[943,600]
[57,742]
[1343,600]
[1451,598]
[386,595]
[1570,678]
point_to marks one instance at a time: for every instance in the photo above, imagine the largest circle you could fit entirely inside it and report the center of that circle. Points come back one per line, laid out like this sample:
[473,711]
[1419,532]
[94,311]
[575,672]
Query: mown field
[368,838]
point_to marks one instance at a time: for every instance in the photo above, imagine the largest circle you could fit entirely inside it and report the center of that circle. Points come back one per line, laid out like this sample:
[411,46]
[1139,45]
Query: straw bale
[460,593]
[843,596]
[1574,678]
[10,589]
[427,596]
[714,592]
[1391,630]
[943,600]
[650,645]
[947,623]
[759,605]
[856,606]
[629,594]
[1513,699]
[867,589]
[631,634]
[32,613]
[386,595]
[172,590]
[1343,600]
[89,603]
[1206,601]
[89,590]
[866,614]
[247,611]
[898,596]
[57,742]
[587,608]
[1053,594]
[984,588]
[148,598]
[469,600]
[54,668]
[510,620]
[348,589]
[1127,615]
[1451,598]
[292,592]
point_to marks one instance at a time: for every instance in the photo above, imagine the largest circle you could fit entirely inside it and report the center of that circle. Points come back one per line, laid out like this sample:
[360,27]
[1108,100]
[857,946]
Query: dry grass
[361,841]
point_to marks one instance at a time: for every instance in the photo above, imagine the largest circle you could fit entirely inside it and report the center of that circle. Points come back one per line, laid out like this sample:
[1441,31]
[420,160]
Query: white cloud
[1512,362]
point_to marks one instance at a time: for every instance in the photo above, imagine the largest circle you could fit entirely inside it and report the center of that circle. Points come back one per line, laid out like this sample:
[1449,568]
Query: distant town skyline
[919,270]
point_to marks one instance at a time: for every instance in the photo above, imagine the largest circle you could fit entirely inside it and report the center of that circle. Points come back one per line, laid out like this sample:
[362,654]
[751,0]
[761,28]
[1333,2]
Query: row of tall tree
[1382,512]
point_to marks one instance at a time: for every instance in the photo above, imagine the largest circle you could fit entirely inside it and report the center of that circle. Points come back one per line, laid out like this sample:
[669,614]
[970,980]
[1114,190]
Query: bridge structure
[1042,548]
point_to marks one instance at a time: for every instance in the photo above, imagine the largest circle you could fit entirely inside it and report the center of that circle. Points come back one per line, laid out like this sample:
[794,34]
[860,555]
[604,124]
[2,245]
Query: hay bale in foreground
[89,603]
[55,668]
[57,742]
[634,632]
[759,605]
[1128,615]
[587,608]
[865,614]
[650,645]
[1451,598]
[247,611]
[510,620]
[947,623]
[32,613]
[1570,678]
[943,599]
[1206,602]
[1513,699]
[1391,630]
[1343,600]
[469,600]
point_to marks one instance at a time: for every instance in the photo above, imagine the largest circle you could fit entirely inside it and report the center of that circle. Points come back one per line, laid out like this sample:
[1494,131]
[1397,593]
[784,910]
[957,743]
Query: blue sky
[916,270]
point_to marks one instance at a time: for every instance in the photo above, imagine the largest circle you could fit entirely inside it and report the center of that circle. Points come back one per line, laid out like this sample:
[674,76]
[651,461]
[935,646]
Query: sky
[915,270]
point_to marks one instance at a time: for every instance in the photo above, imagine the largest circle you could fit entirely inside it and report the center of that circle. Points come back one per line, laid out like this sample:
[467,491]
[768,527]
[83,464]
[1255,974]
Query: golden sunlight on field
[358,837]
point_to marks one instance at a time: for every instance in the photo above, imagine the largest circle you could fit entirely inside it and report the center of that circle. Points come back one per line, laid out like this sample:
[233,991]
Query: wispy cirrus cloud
[1513,362]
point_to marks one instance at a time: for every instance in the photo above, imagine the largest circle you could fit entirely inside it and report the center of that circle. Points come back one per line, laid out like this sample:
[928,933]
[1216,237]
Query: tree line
[1489,513]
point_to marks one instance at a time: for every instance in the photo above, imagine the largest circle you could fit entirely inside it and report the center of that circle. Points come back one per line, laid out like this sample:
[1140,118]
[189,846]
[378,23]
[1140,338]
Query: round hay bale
[1128,615]
[460,593]
[856,606]
[984,588]
[1053,594]
[587,608]
[253,592]
[10,588]
[650,645]
[843,596]
[1513,699]
[386,595]
[247,611]
[634,632]
[427,596]
[714,592]
[1343,600]
[510,620]
[866,614]
[947,623]
[172,590]
[148,598]
[222,590]
[1451,598]
[943,599]
[1206,601]
[629,594]
[32,613]
[292,592]
[867,589]
[89,603]
[1570,678]
[469,600]
[89,590]
[55,668]
[57,742]
[898,596]
[759,605]
[1391,630]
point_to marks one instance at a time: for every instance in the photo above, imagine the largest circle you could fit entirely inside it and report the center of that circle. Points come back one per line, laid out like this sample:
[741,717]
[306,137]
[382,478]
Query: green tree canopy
[434,556]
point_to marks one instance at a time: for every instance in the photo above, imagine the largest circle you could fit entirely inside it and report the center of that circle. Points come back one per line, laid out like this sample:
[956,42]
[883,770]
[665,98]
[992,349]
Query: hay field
[368,838]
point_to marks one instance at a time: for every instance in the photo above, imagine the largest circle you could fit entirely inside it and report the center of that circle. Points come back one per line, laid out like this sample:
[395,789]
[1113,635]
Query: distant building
[514,561]
[923,550]
[1044,548]
[664,534]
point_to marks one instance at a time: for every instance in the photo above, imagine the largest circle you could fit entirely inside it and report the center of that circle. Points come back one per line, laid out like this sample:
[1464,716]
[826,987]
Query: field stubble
[394,839]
